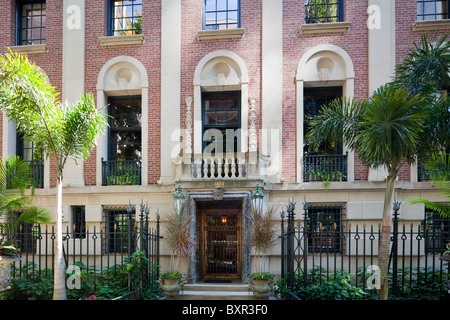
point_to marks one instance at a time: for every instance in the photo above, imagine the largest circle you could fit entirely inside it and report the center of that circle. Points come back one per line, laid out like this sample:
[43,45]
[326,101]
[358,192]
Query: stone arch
[220,70]
[321,66]
[122,76]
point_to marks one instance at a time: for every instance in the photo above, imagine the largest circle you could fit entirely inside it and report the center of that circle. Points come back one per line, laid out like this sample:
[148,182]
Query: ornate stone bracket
[253,141]
[188,130]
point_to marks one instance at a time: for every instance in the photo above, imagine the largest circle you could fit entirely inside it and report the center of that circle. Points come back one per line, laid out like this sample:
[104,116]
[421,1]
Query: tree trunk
[59,291]
[383,251]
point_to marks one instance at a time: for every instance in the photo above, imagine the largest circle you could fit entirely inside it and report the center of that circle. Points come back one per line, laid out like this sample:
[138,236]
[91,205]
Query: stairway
[216,291]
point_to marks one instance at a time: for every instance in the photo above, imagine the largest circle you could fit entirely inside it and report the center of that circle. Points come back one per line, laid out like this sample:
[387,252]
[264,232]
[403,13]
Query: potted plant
[181,243]
[15,177]
[263,238]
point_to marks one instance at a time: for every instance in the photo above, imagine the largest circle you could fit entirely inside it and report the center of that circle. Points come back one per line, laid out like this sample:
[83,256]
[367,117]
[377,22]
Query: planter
[260,288]
[171,288]
[445,257]
[5,271]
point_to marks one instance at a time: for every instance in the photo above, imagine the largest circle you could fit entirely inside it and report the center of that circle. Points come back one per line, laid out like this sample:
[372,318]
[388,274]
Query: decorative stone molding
[30,49]
[431,25]
[220,34]
[188,130]
[253,142]
[114,41]
[330,27]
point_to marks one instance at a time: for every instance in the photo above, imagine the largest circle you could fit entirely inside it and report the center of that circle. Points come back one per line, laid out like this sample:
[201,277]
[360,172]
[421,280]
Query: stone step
[216,291]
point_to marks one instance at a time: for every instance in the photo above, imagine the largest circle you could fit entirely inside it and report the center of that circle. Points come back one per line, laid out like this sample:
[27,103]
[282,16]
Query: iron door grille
[222,246]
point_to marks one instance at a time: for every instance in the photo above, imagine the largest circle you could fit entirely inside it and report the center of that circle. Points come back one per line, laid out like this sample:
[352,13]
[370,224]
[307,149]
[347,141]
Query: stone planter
[260,288]
[445,257]
[5,271]
[171,288]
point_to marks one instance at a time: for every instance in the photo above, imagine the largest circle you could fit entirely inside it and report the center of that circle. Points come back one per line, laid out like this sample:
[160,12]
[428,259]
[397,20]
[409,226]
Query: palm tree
[64,131]
[14,180]
[385,131]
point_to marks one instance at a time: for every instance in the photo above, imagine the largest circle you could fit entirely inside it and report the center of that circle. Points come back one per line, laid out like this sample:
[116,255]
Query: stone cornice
[431,25]
[220,34]
[113,41]
[330,27]
[30,49]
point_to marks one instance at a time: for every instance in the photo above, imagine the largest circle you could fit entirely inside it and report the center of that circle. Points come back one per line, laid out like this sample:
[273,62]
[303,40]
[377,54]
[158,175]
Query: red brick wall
[50,62]
[148,54]
[354,42]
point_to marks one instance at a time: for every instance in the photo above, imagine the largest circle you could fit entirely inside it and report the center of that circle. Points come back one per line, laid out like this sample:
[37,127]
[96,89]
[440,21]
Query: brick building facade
[179,61]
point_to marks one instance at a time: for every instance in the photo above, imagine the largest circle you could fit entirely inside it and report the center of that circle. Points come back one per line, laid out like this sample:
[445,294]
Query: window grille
[79,222]
[125,17]
[322,11]
[24,235]
[119,230]
[436,230]
[325,228]
[221,14]
[31,23]
[432,9]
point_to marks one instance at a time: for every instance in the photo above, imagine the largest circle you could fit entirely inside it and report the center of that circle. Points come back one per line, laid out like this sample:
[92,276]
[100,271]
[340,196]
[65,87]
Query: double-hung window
[221,14]
[31,20]
[322,11]
[432,9]
[124,17]
[221,113]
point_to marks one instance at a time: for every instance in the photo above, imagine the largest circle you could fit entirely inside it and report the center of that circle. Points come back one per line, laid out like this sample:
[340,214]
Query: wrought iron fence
[87,248]
[308,256]
[318,167]
[121,172]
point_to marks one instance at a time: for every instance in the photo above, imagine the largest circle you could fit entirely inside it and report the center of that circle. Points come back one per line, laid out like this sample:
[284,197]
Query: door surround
[244,196]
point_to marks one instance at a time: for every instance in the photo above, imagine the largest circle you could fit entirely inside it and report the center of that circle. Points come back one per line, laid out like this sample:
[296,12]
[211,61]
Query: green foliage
[61,129]
[323,286]
[33,284]
[171,275]
[267,276]
[14,180]
[7,248]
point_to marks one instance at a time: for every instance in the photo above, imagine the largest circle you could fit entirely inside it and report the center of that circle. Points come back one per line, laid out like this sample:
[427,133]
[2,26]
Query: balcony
[423,172]
[36,174]
[121,172]
[210,167]
[319,167]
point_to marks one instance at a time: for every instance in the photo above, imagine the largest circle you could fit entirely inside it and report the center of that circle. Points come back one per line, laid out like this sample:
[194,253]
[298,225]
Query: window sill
[431,25]
[114,41]
[331,27]
[30,49]
[220,34]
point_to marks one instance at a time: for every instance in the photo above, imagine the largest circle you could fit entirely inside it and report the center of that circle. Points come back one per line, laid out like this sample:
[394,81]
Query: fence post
[290,244]
[283,257]
[305,243]
[394,254]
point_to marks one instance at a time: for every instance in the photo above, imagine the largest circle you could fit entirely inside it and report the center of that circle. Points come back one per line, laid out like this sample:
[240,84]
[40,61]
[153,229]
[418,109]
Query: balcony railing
[317,167]
[210,167]
[121,172]
[36,174]
[207,166]
[423,172]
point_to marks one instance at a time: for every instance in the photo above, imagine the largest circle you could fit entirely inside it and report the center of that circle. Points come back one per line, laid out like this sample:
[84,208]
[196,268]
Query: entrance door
[221,240]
